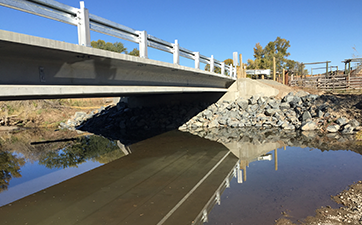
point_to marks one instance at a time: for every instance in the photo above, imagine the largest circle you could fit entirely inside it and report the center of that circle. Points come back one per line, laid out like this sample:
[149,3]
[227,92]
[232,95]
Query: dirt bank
[350,211]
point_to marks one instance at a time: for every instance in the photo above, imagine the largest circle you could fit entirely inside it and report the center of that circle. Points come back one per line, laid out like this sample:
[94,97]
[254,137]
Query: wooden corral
[334,82]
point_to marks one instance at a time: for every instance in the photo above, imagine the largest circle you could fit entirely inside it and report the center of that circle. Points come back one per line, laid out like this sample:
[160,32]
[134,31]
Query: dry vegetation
[44,113]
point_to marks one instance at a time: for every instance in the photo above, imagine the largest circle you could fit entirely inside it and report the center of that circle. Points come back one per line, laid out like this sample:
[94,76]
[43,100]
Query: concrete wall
[245,88]
[171,99]
[241,88]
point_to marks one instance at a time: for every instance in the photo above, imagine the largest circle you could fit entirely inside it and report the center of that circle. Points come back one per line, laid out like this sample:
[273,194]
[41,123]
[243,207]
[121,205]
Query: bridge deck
[33,67]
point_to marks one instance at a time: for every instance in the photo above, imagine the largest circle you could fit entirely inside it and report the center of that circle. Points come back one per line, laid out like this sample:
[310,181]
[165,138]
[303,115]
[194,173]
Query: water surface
[304,181]
[173,178]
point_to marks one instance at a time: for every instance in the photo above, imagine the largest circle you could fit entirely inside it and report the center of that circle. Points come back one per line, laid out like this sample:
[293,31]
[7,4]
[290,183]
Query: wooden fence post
[326,69]
[274,72]
[283,82]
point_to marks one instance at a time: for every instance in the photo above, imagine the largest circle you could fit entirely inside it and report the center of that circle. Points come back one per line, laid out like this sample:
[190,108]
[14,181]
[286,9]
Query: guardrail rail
[85,22]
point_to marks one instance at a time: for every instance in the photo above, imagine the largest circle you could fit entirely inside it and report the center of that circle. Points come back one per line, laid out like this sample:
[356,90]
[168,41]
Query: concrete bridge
[33,67]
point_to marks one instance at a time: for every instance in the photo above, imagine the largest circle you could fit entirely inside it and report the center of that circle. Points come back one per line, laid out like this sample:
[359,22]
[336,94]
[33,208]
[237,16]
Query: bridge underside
[29,92]
[33,67]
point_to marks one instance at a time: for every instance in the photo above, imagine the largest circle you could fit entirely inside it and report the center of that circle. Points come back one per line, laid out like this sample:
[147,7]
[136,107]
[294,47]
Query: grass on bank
[45,113]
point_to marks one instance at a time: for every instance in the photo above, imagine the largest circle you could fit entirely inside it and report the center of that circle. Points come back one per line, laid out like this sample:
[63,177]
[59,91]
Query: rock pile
[81,117]
[296,111]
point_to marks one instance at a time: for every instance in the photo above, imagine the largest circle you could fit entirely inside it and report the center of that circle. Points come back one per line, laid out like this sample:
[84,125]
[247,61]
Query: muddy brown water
[173,178]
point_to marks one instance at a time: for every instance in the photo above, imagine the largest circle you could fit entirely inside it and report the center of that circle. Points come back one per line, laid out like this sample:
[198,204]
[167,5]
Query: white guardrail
[85,22]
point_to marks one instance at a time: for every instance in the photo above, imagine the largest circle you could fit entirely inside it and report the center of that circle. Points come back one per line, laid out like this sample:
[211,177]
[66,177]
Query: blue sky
[317,30]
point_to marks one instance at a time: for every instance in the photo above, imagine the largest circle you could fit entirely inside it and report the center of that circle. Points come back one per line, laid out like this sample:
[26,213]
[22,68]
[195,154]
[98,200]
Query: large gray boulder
[306,116]
[347,129]
[333,128]
[311,125]
[242,103]
[342,121]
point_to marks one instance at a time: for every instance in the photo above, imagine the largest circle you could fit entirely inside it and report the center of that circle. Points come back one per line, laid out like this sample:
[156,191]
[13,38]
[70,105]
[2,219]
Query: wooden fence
[336,82]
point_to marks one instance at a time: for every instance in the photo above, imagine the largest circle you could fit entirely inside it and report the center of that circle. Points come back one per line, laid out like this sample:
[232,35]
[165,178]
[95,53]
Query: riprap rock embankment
[295,111]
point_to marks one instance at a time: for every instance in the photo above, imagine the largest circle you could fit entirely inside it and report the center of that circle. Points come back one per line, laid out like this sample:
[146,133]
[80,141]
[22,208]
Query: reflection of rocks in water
[251,135]
[130,125]
[255,136]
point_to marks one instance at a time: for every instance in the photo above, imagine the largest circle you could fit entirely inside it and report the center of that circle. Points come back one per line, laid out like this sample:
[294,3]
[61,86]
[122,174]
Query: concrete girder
[42,63]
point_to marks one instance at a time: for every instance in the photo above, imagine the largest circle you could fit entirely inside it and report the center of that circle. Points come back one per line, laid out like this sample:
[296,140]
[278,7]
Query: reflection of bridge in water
[249,152]
[166,179]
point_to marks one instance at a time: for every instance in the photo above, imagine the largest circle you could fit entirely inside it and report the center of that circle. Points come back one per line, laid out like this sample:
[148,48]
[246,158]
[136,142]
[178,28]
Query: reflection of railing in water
[239,172]
[216,198]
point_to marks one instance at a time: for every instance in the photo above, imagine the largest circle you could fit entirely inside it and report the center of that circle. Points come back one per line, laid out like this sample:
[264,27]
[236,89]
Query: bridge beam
[43,67]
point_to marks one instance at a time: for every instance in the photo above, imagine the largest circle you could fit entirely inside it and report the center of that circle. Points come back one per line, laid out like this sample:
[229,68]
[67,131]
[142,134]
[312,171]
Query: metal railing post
[83,26]
[197,60]
[222,68]
[142,36]
[235,58]
[176,53]
[212,64]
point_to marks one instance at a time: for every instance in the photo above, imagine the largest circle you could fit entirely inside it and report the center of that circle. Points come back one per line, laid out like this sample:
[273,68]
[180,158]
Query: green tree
[263,57]
[295,67]
[301,68]
[135,52]
[260,59]
[217,69]
[114,47]
[292,65]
